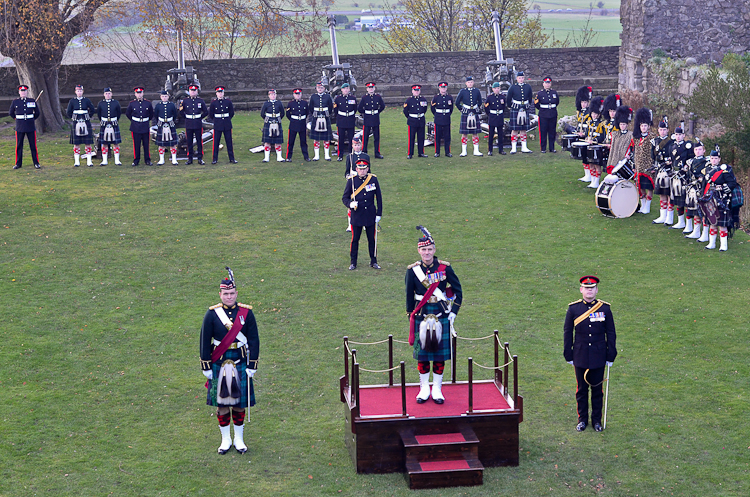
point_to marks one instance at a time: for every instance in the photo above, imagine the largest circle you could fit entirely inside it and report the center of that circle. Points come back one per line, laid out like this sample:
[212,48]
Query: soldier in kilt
[80,109]
[321,108]
[681,151]
[109,112]
[165,115]
[469,104]
[661,154]
[619,145]
[229,347]
[521,102]
[641,146]
[433,298]
[583,98]
[272,113]
[694,172]
[721,179]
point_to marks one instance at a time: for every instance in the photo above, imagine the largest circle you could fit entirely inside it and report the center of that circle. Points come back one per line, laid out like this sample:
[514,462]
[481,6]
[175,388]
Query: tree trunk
[38,79]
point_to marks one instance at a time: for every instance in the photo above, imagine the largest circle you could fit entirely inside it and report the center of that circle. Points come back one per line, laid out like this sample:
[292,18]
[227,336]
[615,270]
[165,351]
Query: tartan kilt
[118,138]
[513,123]
[444,352]
[167,143]
[82,140]
[677,191]
[233,354]
[462,129]
[725,219]
[320,136]
[273,140]
[663,183]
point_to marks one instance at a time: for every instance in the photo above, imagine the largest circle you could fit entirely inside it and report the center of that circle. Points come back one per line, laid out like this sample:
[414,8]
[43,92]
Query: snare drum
[624,169]
[579,149]
[567,140]
[617,200]
[595,153]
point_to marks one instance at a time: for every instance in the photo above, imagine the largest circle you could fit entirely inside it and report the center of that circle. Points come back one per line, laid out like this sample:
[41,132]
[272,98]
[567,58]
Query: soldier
[433,298]
[641,146]
[583,97]
[25,112]
[165,114]
[321,108]
[370,107]
[519,98]
[80,109]
[606,128]
[692,181]
[721,178]
[547,101]
[594,138]
[296,112]
[221,111]
[619,145]
[414,110]
[590,349]
[109,112]
[229,347]
[350,169]
[661,148]
[346,110]
[272,113]
[194,110]
[494,106]
[681,150]
[140,113]
[442,108]
[361,195]
[469,104]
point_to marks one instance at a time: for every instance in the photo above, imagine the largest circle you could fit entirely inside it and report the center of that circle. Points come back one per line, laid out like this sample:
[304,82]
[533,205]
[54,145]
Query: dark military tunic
[346,116]
[243,351]
[296,112]
[165,116]
[370,107]
[272,112]
[728,192]
[81,110]
[194,110]
[583,117]
[442,108]
[414,110]
[370,205]
[546,103]
[221,112]
[469,103]
[109,112]
[598,153]
[681,153]
[25,112]
[661,154]
[494,106]
[140,113]
[321,109]
[694,169]
[520,97]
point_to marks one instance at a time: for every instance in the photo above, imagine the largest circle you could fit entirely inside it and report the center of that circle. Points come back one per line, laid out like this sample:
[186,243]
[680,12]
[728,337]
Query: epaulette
[604,302]
[412,266]
[406,105]
[214,307]
[373,175]
[576,301]
[244,306]
[444,262]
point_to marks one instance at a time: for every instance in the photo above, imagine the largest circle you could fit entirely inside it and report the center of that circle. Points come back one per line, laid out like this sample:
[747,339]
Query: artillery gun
[336,74]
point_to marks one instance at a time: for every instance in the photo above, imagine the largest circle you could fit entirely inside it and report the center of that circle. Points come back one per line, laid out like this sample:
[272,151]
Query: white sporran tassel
[521,117]
[320,124]
[109,133]
[81,128]
[166,133]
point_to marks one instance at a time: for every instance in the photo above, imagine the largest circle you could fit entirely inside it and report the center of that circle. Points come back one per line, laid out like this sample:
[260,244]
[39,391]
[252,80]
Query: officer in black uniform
[362,195]
[272,113]
[370,107]
[345,106]
[321,109]
[221,111]
[296,112]
[414,110]
[81,110]
[25,112]
[519,100]
[194,110]
[350,170]
[442,108]
[109,112]
[494,106]
[140,112]
[590,350]
[546,102]
[469,104]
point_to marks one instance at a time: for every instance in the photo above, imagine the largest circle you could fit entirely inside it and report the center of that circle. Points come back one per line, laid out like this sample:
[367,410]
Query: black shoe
[307,159]
[134,164]
[598,427]
[315,160]
[449,155]
[352,267]
[17,166]
[201,162]
[423,155]
[233,161]
[420,401]
[222,452]
[503,152]
[375,265]
[90,165]
[265,160]
[149,163]
[189,161]
[100,165]
[553,151]
[76,165]
[438,401]
[379,156]
[214,161]
[581,426]
[37,166]
[408,157]
[544,151]
[489,153]
[339,159]
[328,159]
[437,155]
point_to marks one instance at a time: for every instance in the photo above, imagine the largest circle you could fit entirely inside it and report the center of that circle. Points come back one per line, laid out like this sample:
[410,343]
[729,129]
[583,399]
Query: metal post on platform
[346,360]
[506,358]
[471,385]
[497,359]
[454,342]
[355,391]
[515,382]
[390,360]
[403,388]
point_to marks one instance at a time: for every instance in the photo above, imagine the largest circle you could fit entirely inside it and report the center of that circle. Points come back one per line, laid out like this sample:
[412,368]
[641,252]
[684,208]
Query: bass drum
[617,200]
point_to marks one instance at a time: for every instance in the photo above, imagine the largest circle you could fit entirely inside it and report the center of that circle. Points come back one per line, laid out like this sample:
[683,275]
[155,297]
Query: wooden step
[436,473]
[440,445]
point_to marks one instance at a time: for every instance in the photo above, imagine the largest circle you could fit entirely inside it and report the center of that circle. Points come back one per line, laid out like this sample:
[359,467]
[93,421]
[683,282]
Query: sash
[362,186]
[430,290]
[712,180]
[586,314]
[233,332]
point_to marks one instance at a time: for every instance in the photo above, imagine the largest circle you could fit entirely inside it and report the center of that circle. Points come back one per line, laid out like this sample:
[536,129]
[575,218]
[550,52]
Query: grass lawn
[107,272]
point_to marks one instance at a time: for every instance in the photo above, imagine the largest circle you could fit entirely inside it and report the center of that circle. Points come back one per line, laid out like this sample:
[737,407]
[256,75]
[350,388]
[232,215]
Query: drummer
[583,97]
[661,154]
[593,138]
[694,170]
[621,137]
[603,132]
[642,157]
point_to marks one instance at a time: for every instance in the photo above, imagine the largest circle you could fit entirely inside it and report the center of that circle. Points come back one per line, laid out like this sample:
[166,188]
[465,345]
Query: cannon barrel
[496,32]
[332,33]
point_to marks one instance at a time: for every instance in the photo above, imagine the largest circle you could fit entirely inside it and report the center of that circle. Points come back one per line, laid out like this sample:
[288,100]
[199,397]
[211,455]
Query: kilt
[726,220]
[166,143]
[690,200]
[644,181]
[320,136]
[677,191]
[273,140]
[464,130]
[233,354]
[444,352]
[513,123]
[117,139]
[81,140]
[663,184]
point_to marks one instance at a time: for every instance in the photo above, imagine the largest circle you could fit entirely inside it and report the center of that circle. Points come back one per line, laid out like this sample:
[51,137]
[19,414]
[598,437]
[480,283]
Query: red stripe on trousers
[16,148]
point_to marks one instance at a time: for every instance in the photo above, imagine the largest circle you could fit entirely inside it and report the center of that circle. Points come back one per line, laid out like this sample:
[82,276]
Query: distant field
[608,28]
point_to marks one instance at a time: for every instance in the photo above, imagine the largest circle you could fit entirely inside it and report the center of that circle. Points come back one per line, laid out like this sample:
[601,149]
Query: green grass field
[107,272]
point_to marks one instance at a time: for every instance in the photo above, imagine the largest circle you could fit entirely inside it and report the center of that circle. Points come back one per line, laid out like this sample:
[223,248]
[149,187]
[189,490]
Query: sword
[606,398]
[37,97]
[377,228]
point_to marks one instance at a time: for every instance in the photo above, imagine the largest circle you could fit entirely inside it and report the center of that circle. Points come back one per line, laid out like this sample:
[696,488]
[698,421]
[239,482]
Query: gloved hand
[250,372]
[378,218]
[353,204]
[452,317]
[610,363]
[209,374]
[570,362]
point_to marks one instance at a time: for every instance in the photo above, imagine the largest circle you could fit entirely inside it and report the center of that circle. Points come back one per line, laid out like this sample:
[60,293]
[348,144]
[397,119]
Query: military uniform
[469,104]
[370,107]
[350,165]
[321,109]
[591,155]
[661,155]
[546,102]
[346,116]
[140,112]
[109,113]
[414,110]
[296,112]
[681,152]
[25,111]
[81,110]
[589,342]
[272,113]
[221,112]
[583,95]
[194,110]
[728,198]
[442,108]
[494,106]
[165,118]
[366,192]
[520,99]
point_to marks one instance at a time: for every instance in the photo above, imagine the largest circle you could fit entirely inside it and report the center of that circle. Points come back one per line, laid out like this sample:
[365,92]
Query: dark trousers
[496,128]
[354,248]
[443,133]
[141,140]
[227,139]
[345,141]
[197,134]
[375,136]
[417,132]
[594,377]
[547,132]
[291,137]
[32,145]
